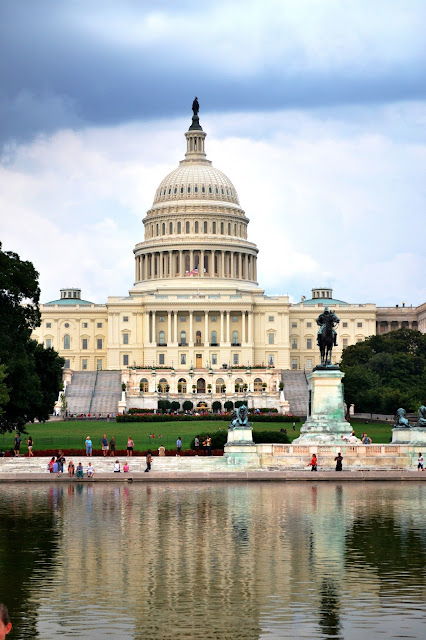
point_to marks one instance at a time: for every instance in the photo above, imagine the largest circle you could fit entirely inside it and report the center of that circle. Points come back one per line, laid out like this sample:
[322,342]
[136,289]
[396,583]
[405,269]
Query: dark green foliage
[174,405]
[219,438]
[239,403]
[209,417]
[164,405]
[4,391]
[187,405]
[216,405]
[229,405]
[33,374]
[386,372]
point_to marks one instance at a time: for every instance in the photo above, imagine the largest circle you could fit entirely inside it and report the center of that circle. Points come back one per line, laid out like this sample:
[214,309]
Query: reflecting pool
[238,561]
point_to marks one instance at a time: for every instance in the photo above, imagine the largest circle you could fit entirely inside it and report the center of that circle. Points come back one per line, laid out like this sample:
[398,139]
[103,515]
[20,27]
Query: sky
[315,109]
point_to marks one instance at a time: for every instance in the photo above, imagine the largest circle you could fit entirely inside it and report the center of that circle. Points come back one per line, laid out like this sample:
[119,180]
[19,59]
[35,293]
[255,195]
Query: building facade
[195,320]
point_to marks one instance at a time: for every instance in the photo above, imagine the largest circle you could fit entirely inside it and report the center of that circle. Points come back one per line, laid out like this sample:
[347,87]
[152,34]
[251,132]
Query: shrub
[187,405]
[175,405]
[216,406]
[270,436]
[158,417]
[229,405]
[239,403]
[164,405]
[219,438]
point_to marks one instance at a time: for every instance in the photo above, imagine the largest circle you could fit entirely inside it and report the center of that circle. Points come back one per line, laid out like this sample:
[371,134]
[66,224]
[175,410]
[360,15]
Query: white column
[206,328]
[191,330]
[160,264]
[228,326]
[153,331]
[250,327]
[243,322]
[169,327]
[201,265]
[175,317]
[146,336]
[221,329]
[240,266]
[222,268]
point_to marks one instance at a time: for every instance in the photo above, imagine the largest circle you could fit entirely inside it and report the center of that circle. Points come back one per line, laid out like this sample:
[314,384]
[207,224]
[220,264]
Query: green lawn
[72,434]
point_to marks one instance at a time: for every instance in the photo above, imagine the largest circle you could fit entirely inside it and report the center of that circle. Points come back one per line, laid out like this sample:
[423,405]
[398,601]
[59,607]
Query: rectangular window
[294,363]
[359,324]
[236,358]
[294,325]
[271,338]
[359,339]
[309,324]
[161,318]
[183,358]
[161,358]
[48,343]
[294,343]
[84,343]
[344,324]
[84,325]
[99,343]
[214,358]
[99,365]
[66,364]
[271,318]
[125,360]
[271,361]
[183,318]
[345,342]
[309,343]
[197,318]
[99,325]
[213,319]
[125,318]
[125,338]
[48,325]
[84,364]
[309,363]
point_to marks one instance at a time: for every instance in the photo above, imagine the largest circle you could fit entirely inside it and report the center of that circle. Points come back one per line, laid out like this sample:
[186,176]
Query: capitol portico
[195,320]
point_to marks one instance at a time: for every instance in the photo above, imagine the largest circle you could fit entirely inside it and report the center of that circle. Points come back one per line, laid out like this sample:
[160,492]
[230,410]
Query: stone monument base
[326,422]
[409,435]
[240,448]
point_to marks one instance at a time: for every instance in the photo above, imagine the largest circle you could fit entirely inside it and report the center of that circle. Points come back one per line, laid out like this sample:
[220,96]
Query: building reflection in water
[221,561]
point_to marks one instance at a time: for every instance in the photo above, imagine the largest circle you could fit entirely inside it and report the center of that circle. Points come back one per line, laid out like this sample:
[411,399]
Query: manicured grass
[72,434]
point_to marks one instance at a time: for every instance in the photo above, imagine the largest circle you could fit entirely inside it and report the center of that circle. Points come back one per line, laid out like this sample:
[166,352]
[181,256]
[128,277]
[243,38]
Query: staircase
[79,392]
[296,391]
[107,392]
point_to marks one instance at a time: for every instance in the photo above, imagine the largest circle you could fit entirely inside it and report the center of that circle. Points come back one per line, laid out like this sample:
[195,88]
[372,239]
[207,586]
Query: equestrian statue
[327,335]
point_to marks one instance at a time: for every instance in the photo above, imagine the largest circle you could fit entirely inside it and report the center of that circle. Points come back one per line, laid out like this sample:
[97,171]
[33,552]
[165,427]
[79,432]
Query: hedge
[180,417]
[219,438]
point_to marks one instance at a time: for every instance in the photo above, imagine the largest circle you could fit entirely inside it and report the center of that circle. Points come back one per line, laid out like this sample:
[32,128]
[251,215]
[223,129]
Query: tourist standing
[420,463]
[88,444]
[366,439]
[178,445]
[314,462]
[148,461]
[60,460]
[209,445]
[294,426]
[104,445]
[5,624]
[79,473]
[197,443]
[130,445]
[30,447]
[17,445]
[339,460]
[112,446]
[71,469]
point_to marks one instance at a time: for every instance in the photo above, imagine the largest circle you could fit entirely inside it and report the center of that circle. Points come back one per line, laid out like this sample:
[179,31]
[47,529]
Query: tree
[216,406]
[4,390]
[187,405]
[175,405]
[386,372]
[228,405]
[33,374]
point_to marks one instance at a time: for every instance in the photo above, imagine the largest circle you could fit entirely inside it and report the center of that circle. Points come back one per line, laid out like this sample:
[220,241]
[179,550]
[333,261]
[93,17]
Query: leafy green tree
[33,374]
[187,405]
[386,372]
[4,391]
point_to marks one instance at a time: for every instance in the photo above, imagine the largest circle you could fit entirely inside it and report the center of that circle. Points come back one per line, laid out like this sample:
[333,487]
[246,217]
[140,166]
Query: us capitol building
[196,320]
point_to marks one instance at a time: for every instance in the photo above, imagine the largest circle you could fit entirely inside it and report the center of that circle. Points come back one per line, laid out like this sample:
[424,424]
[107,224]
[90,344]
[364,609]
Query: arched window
[182,338]
[181,190]
[257,384]
[229,228]
[171,228]
[179,227]
[162,384]
[67,341]
[205,226]
[235,337]
[213,227]
[187,226]
[235,229]
[143,385]
[220,385]
[201,385]
[161,338]
[156,230]
[198,337]
[163,229]
[196,228]
[221,228]
[214,338]
[238,385]
[182,385]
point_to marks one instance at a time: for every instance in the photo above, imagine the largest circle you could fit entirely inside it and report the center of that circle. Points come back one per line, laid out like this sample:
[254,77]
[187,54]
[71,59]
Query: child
[90,471]
[71,469]
[79,473]
[126,467]
[117,466]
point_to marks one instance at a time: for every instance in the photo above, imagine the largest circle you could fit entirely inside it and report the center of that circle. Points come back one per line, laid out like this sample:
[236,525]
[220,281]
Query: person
[338,460]
[71,469]
[17,444]
[104,445]
[209,445]
[294,426]
[314,462]
[148,461]
[79,473]
[50,464]
[366,439]
[88,444]
[5,624]
[204,445]
[117,466]
[161,451]
[130,445]
[179,445]
[61,461]
[30,447]
[112,446]
[2,454]
[55,468]
[90,471]
[197,443]
[352,438]
[420,463]
[126,467]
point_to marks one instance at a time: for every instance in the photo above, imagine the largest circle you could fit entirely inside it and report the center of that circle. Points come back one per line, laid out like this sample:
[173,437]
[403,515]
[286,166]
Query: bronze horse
[326,341]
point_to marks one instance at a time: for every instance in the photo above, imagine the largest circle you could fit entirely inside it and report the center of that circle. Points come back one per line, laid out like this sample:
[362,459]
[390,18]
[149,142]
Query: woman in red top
[314,462]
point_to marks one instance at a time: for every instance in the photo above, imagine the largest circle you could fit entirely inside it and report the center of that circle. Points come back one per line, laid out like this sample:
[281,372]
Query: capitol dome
[196,226]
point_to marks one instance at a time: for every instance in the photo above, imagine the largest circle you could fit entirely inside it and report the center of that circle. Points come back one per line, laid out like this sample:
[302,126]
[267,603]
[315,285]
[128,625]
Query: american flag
[194,272]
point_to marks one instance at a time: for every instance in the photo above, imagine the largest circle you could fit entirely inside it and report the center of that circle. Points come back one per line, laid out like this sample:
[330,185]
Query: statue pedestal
[326,411]
[240,435]
[409,435]
[240,449]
